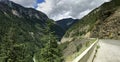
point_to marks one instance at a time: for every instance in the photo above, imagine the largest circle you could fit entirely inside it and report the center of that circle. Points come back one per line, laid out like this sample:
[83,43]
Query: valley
[29,35]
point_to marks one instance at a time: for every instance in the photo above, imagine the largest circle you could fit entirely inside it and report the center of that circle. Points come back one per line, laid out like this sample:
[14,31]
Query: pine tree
[50,51]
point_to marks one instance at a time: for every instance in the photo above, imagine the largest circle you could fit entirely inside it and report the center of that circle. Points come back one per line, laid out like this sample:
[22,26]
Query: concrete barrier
[88,54]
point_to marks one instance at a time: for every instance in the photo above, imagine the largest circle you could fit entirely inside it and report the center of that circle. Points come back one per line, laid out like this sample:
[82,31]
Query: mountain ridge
[88,26]
[24,32]
[65,24]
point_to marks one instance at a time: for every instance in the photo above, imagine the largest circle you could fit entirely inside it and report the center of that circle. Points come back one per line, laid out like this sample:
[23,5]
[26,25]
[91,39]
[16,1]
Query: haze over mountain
[65,24]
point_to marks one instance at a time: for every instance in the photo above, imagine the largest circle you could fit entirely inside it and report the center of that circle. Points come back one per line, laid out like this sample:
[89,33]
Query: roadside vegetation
[75,48]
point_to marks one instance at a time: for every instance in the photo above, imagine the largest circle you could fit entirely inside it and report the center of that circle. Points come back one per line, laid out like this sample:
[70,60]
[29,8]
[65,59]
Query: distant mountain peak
[66,23]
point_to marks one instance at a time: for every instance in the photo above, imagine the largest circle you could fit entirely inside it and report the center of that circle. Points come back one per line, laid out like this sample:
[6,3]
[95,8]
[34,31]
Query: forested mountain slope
[103,22]
[24,32]
[65,24]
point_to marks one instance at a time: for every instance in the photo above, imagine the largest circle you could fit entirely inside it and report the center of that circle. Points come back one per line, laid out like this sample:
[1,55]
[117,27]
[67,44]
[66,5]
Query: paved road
[109,51]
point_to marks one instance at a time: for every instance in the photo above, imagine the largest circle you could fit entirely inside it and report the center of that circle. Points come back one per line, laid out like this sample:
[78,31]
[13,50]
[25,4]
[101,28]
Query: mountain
[103,23]
[4,1]
[23,32]
[65,24]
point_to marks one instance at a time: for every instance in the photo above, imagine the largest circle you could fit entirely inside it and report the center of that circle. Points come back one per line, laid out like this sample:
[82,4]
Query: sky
[59,9]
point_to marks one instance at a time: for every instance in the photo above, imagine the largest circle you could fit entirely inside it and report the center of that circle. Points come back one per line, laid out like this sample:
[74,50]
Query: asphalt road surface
[109,51]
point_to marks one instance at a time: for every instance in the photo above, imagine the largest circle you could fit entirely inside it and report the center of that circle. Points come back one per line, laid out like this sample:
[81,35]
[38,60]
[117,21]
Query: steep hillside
[23,32]
[103,22]
[65,24]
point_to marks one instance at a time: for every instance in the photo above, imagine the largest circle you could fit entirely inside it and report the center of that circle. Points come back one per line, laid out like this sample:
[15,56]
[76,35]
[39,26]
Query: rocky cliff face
[109,28]
[103,22]
[22,12]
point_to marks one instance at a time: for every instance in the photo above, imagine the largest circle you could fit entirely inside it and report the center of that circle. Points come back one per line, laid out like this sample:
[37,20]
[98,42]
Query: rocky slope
[29,13]
[103,22]
[109,28]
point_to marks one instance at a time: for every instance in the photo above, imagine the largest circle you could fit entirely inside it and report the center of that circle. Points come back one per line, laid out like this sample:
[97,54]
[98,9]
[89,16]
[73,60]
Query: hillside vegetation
[65,24]
[103,22]
[25,32]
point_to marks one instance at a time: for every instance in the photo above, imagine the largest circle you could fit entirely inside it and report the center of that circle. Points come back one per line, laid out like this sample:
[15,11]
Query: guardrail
[85,56]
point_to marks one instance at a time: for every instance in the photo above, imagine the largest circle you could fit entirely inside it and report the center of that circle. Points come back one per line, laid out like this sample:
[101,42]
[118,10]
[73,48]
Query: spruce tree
[50,51]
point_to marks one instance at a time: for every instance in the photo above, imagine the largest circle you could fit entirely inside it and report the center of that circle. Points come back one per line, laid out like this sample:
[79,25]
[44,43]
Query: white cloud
[80,15]
[46,6]
[58,9]
[26,3]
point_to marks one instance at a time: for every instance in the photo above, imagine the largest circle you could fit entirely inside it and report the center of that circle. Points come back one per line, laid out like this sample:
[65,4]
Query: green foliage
[79,47]
[50,51]
[63,45]
[15,42]
[21,38]
[90,20]
[57,30]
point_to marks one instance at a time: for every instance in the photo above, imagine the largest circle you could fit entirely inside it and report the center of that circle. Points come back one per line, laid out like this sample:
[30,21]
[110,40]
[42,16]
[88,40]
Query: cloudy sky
[59,9]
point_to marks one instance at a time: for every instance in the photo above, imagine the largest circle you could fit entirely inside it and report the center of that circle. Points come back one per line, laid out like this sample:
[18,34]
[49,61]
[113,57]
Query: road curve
[109,51]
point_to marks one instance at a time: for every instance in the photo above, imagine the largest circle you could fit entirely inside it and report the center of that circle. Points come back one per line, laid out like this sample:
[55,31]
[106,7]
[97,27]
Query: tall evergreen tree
[50,51]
